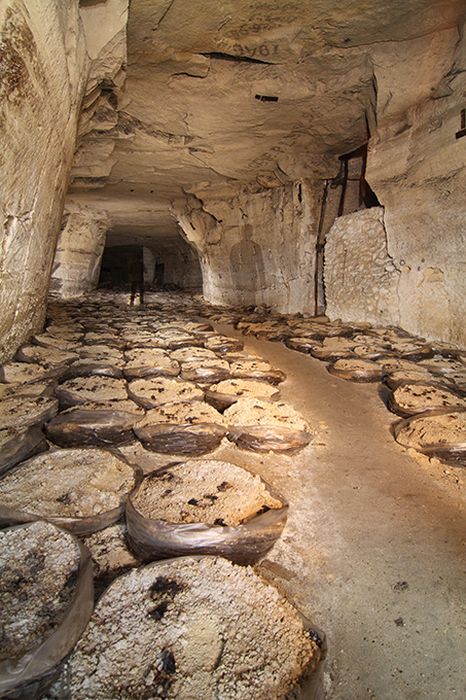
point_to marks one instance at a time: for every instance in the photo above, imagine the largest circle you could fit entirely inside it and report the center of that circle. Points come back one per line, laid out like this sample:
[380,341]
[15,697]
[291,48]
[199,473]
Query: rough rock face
[416,165]
[42,81]
[252,98]
[105,30]
[361,281]
[79,253]
[52,56]
[180,264]
[257,248]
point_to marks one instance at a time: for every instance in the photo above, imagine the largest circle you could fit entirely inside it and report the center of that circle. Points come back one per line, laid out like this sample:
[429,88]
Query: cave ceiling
[217,95]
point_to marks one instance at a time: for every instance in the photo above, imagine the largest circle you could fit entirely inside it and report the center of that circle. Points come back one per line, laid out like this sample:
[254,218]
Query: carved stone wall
[180,263]
[43,69]
[257,248]
[56,57]
[417,168]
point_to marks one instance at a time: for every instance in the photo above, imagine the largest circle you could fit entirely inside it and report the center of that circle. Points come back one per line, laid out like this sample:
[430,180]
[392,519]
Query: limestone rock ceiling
[222,94]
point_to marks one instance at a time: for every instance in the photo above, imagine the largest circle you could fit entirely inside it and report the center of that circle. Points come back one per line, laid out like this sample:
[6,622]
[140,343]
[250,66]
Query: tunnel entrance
[168,264]
[116,265]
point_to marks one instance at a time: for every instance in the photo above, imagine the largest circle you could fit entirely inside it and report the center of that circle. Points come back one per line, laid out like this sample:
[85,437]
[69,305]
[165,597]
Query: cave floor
[373,551]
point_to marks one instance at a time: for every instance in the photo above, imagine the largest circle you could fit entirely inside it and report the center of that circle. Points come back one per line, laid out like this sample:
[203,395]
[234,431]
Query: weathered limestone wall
[180,264]
[417,168]
[361,281]
[43,68]
[55,57]
[79,253]
[405,263]
[257,248]
[105,29]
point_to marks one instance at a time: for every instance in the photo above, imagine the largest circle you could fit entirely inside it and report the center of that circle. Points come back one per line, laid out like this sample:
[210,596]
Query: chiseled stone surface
[225,117]
[191,112]
[336,72]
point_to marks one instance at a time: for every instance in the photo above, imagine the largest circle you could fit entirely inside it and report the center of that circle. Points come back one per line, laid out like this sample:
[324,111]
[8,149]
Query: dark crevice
[217,55]
[185,74]
[267,98]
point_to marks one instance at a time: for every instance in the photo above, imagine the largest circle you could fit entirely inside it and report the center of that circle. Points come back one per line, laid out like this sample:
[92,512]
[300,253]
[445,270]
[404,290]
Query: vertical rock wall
[361,281]
[417,168]
[56,57]
[257,248]
[79,253]
[43,67]
[180,265]
[405,263]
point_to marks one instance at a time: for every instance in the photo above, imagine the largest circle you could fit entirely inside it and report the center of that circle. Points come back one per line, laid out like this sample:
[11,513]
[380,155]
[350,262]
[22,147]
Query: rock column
[79,253]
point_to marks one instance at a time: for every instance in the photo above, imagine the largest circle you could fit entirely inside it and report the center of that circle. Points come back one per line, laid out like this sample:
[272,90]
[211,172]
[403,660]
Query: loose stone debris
[191,628]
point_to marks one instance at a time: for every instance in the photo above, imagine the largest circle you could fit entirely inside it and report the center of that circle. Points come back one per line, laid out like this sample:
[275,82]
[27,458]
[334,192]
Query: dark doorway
[117,262]
[159,274]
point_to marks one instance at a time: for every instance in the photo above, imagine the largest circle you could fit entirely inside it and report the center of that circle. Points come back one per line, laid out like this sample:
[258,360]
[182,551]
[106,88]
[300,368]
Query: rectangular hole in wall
[267,98]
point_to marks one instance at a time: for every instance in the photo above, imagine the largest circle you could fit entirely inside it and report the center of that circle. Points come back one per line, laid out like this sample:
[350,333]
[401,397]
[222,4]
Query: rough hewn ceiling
[226,93]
